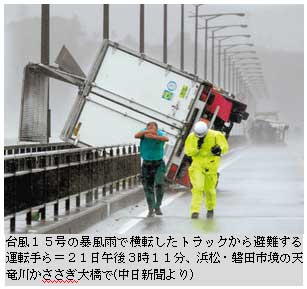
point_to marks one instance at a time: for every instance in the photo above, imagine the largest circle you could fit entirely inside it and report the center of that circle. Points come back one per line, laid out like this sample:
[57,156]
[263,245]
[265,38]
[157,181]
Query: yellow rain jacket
[202,158]
[203,170]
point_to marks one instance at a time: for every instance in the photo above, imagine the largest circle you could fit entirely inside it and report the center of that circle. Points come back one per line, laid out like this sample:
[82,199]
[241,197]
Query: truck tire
[245,115]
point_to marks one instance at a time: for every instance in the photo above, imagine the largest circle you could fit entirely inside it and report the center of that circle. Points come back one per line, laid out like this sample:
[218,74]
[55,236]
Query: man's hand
[145,133]
[216,150]
[150,133]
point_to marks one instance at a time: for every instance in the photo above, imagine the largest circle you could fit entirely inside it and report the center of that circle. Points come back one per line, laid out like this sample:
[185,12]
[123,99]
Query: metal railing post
[56,205]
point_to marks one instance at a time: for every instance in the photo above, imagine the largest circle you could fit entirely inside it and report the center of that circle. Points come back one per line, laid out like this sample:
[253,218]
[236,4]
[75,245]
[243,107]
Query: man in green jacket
[153,167]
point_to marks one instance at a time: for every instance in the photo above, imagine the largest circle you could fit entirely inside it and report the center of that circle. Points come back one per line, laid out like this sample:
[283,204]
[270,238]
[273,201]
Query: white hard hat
[200,129]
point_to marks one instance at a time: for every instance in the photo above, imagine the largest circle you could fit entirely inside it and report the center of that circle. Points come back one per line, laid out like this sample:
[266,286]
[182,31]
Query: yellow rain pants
[203,170]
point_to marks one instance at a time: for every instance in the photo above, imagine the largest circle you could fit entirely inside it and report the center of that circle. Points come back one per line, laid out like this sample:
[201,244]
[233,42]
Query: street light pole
[254,77]
[216,28]
[196,38]
[142,28]
[233,76]
[206,48]
[241,52]
[219,63]
[229,64]
[240,85]
[165,33]
[252,71]
[209,17]
[182,39]
[238,80]
[235,80]
[251,68]
[45,49]
[239,93]
[222,38]
[105,21]
[250,63]
[225,67]
[229,47]
[235,71]
[212,50]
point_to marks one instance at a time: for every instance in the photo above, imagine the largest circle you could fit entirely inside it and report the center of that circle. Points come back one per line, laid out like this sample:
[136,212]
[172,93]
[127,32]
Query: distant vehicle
[266,128]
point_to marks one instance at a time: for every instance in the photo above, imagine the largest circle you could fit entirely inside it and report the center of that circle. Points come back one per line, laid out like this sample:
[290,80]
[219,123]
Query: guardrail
[32,148]
[31,181]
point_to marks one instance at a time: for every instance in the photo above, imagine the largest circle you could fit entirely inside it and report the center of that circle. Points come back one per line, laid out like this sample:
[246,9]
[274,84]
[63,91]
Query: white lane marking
[231,160]
[126,227]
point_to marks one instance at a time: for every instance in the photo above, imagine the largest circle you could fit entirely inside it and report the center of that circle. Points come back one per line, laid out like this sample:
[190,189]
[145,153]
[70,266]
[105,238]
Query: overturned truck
[267,128]
[125,89]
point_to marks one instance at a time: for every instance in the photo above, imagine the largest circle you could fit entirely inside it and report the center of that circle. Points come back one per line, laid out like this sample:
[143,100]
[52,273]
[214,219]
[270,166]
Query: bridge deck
[261,190]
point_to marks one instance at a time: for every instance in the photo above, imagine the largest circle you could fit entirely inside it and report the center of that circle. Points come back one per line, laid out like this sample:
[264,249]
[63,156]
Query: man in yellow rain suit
[205,146]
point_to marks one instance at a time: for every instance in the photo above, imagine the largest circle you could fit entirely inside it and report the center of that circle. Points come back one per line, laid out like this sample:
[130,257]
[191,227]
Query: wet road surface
[261,190]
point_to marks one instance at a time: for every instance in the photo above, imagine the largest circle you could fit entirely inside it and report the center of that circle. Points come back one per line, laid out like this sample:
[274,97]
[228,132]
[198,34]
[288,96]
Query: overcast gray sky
[271,25]
[277,33]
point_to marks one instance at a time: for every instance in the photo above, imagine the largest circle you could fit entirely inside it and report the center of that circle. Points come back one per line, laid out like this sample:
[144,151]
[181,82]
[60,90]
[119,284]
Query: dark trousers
[153,182]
